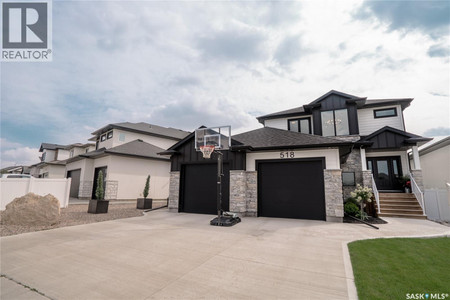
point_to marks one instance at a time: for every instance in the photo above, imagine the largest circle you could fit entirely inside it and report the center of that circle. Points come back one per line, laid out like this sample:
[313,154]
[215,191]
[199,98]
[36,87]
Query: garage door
[291,189]
[199,188]
[75,185]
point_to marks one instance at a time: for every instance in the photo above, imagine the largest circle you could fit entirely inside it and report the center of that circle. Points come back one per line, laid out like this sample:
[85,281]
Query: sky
[183,64]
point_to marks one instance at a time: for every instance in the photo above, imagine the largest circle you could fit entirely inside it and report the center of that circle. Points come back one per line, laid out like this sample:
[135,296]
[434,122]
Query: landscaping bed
[394,268]
[370,220]
[76,214]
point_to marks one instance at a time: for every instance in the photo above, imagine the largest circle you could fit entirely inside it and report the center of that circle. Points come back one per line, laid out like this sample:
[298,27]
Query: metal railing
[375,193]
[417,192]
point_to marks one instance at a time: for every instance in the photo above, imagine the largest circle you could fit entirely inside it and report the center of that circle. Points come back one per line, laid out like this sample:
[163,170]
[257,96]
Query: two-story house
[54,157]
[126,153]
[305,162]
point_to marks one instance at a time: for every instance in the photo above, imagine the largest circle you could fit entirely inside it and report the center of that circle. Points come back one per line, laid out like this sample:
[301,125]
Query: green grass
[392,268]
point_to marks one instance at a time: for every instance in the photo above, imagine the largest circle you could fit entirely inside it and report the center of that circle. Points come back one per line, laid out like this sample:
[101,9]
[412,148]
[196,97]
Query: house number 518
[287,154]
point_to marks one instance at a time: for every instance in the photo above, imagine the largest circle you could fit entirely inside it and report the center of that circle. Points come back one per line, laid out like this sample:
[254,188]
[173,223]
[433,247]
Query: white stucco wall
[403,158]
[331,157]
[131,174]
[49,155]
[86,166]
[54,171]
[435,168]
[62,154]
[368,124]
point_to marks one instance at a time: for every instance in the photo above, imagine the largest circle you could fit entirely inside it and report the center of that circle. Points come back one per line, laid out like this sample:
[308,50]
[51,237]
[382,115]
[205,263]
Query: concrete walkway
[170,255]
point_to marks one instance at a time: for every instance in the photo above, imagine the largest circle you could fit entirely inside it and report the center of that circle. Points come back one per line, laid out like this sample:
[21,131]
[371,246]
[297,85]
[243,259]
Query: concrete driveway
[169,255]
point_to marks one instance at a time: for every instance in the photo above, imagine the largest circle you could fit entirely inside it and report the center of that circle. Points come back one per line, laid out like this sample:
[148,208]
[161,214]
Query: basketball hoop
[207,150]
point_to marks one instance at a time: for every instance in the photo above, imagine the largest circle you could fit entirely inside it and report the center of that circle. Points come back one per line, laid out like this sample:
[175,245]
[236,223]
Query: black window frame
[334,123]
[385,109]
[354,179]
[103,137]
[109,135]
[299,127]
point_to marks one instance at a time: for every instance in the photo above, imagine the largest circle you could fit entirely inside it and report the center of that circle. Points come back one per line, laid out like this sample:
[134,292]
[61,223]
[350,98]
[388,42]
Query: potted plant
[362,195]
[405,181]
[144,203]
[99,205]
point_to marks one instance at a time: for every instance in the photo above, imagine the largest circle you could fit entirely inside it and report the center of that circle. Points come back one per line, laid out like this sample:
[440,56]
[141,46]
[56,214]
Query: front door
[97,170]
[386,172]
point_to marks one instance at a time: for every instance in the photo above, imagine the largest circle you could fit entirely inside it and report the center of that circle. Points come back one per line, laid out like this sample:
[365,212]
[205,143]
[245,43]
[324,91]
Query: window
[96,144]
[110,134]
[71,153]
[385,113]
[122,137]
[302,125]
[44,155]
[335,122]
[103,138]
[348,178]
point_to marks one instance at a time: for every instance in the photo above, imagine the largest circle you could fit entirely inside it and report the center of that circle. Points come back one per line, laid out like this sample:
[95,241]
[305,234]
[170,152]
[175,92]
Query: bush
[351,209]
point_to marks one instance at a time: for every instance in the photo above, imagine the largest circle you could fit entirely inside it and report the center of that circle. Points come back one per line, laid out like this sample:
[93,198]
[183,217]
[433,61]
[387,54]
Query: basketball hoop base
[225,221]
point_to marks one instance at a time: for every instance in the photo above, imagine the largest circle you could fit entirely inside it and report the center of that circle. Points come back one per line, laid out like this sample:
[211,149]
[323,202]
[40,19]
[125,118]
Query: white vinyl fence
[11,188]
[437,205]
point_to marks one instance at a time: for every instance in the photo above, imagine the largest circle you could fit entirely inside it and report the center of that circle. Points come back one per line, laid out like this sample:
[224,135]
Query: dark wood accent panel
[188,155]
[353,119]
[387,140]
[333,102]
[317,120]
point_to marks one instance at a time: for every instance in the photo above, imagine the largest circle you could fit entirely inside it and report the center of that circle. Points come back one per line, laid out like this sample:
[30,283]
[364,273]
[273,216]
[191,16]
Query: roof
[273,138]
[49,146]
[437,143]
[407,137]
[79,145]
[361,102]
[136,148]
[145,128]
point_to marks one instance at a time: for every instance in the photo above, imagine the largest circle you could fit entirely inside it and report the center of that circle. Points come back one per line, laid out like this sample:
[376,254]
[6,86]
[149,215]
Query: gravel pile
[76,214]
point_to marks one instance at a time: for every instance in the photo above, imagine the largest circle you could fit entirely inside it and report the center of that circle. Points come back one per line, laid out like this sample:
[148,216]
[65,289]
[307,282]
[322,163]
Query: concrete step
[401,211]
[397,196]
[400,206]
[396,215]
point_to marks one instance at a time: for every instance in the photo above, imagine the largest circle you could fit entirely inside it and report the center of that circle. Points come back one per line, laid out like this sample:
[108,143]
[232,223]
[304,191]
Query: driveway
[170,255]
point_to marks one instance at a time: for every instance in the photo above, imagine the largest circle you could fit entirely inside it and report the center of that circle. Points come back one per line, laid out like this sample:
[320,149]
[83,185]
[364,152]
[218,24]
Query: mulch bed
[76,214]
[370,220]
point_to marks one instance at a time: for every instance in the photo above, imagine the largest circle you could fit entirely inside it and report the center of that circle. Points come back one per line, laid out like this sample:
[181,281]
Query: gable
[391,138]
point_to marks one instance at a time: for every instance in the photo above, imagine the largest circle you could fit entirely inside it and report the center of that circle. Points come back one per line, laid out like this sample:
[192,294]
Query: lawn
[393,268]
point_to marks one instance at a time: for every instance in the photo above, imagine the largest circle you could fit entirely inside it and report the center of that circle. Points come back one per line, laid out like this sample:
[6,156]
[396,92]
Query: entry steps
[401,205]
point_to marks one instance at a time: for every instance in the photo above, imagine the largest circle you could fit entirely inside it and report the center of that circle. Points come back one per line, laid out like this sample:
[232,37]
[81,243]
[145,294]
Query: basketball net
[207,150]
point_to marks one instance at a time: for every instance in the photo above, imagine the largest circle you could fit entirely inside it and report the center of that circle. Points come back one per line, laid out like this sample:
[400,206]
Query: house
[126,153]
[54,158]
[435,163]
[16,170]
[304,162]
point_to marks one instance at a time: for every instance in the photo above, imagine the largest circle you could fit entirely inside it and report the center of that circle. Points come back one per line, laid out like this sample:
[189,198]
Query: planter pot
[407,190]
[144,203]
[98,206]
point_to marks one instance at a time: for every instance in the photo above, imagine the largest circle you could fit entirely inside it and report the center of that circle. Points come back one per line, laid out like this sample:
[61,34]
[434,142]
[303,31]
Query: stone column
[174,191]
[417,174]
[367,178]
[251,194]
[238,188]
[334,203]
[111,187]
[85,189]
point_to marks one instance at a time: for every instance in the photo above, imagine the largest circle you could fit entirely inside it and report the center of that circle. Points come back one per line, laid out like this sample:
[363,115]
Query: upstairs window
[335,122]
[71,153]
[103,138]
[110,135]
[302,125]
[385,113]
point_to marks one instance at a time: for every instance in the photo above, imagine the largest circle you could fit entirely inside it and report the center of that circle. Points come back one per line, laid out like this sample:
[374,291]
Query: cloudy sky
[187,63]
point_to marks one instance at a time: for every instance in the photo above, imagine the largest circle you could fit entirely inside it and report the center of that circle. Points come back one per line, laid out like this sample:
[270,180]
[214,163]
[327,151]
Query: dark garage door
[75,185]
[291,189]
[199,188]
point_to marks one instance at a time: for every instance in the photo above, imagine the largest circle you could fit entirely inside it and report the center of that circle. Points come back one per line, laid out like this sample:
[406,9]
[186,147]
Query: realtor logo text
[26,31]
[427,296]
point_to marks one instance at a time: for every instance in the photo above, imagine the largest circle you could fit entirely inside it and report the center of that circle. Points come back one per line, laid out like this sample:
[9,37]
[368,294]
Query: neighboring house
[126,153]
[16,170]
[54,158]
[304,162]
[435,163]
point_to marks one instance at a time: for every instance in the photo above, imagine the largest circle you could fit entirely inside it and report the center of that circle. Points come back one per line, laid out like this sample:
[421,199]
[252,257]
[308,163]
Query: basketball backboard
[219,136]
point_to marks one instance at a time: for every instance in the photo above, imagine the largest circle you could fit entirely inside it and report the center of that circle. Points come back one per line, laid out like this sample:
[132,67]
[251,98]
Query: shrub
[100,191]
[351,209]
[147,187]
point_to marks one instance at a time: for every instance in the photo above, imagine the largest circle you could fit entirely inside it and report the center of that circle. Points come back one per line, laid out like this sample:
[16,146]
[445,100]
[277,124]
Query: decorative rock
[32,209]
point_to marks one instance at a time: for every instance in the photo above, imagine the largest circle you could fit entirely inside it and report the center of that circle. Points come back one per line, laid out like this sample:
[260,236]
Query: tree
[100,191]
[147,187]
